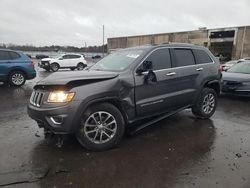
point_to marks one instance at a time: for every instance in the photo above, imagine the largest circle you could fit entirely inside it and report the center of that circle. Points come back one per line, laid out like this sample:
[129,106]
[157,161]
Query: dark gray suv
[99,104]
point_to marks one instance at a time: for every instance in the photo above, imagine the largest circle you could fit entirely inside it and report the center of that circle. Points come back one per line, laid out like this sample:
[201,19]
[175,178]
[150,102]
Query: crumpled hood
[47,59]
[238,77]
[63,78]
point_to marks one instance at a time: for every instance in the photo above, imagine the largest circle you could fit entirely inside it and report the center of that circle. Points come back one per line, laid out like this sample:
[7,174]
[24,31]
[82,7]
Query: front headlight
[60,96]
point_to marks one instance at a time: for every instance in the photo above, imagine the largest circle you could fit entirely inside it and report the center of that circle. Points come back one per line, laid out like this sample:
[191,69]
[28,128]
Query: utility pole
[103,41]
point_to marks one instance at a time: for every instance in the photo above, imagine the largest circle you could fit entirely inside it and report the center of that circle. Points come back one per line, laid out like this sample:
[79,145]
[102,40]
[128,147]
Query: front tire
[17,78]
[54,67]
[206,104]
[102,127]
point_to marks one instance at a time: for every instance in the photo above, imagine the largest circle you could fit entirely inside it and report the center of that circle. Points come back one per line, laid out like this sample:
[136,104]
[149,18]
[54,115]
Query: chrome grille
[36,98]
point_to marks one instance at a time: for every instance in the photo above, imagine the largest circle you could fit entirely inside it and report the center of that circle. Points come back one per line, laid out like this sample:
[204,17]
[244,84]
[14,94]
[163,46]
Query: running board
[140,127]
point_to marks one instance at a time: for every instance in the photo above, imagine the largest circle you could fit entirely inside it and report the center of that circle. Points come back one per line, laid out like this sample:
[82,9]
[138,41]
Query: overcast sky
[65,22]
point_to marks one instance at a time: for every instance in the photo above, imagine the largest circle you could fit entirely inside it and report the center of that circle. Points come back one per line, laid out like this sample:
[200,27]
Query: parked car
[96,57]
[124,87]
[15,67]
[41,56]
[229,64]
[72,61]
[236,80]
[246,58]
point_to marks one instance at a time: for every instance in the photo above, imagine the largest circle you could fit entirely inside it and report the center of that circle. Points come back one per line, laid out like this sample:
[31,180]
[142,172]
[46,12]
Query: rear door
[187,73]
[75,60]
[154,98]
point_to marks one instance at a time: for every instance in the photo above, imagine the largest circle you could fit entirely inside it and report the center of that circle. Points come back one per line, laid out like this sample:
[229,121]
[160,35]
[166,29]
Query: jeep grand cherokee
[129,85]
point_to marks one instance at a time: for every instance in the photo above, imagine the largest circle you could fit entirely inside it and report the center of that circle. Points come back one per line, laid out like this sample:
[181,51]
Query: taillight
[221,68]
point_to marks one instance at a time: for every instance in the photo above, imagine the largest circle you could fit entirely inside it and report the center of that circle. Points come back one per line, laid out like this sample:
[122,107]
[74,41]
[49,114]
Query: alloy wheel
[17,79]
[100,127]
[208,103]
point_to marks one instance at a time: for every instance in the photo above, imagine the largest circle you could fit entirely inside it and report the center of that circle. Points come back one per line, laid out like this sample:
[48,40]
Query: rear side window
[183,57]
[4,55]
[74,56]
[202,57]
[14,55]
[160,59]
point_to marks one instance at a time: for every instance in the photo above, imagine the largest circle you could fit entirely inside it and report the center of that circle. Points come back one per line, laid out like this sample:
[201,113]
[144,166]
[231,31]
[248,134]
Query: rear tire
[80,66]
[206,104]
[102,127]
[54,67]
[17,78]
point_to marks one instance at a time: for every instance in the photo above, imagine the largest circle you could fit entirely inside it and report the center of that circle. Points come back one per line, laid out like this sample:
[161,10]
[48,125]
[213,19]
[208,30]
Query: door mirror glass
[139,71]
[147,65]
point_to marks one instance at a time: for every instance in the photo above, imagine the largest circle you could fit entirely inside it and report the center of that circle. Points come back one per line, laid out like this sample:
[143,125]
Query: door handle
[199,69]
[171,74]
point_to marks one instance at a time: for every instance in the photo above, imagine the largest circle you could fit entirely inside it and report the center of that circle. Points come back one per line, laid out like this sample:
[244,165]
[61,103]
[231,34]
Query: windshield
[117,61]
[241,68]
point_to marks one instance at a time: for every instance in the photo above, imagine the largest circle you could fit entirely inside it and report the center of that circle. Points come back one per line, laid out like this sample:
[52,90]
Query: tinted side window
[184,57]
[14,55]
[66,57]
[160,59]
[202,57]
[4,55]
[75,56]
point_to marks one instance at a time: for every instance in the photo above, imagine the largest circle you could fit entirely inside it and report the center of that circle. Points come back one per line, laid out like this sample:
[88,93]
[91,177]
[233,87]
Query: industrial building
[231,42]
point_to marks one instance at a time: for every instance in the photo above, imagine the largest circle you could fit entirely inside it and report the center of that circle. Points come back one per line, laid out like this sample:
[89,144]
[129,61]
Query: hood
[46,59]
[238,77]
[63,78]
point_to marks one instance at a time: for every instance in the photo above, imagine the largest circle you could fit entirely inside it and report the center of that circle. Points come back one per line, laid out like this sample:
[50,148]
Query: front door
[5,62]
[158,96]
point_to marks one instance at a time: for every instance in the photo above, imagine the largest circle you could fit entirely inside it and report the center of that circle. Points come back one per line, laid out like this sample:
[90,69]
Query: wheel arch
[84,64]
[17,69]
[112,100]
[215,84]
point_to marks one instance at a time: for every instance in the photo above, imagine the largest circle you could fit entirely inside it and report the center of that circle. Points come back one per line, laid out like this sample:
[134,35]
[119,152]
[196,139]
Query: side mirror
[61,58]
[146,66]
[139,71]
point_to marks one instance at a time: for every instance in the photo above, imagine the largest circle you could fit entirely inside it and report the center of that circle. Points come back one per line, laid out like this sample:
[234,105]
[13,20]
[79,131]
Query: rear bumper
[59,120]
[31,75]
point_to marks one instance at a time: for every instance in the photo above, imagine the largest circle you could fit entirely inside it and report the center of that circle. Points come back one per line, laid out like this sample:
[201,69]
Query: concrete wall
[246,44]
[241,46]
[196,37]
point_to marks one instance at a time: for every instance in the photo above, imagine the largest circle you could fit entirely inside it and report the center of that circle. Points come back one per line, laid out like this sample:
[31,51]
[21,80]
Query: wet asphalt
[180,151]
